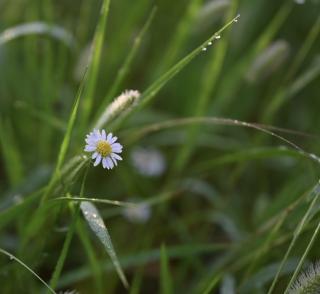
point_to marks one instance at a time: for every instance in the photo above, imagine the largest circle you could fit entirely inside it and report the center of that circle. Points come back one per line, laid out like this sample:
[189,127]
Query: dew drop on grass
[217,37]
[204,49]
[209,43]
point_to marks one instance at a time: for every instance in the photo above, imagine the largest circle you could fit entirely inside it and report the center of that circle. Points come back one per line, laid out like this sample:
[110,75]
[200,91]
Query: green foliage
[218,190]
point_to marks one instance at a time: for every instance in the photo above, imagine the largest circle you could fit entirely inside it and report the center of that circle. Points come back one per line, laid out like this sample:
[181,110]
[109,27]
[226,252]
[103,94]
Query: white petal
[90,148]
[113,140]
[110,163]
[91,141]
[114,160]
[109,137]
[116,156]
[97,134]
[104,136]
[116,147]
[94,155]
[105,163]
[98,160]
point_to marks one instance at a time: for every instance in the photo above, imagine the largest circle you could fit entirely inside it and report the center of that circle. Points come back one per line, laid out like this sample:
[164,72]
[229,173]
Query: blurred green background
[221,201]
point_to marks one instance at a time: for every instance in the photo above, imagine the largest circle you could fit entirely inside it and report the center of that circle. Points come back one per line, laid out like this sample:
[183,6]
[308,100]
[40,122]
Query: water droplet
[217,37]
[94,215]
[236,20]
[86,212]
[209,43]
[204,49]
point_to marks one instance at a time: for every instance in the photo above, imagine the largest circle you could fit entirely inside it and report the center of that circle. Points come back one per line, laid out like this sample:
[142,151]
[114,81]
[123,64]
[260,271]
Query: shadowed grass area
[215,186]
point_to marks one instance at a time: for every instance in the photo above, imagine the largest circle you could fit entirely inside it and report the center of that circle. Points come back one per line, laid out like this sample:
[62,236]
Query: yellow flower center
[104,148]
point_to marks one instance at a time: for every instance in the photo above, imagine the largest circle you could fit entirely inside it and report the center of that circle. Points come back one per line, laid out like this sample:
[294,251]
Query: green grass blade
[12,257]
[232,80]
[212,284]
[95,200]
[166,281]
[50,120]
[97,225]
[63,255]
[219,121]
[304,256]
[95,267]
[10,153]
[124,69]
[284,94]
[179,36]
[148,95]
[94,66]
[66,141]
[315,195]
[304,50]
[208,83]
[144,257]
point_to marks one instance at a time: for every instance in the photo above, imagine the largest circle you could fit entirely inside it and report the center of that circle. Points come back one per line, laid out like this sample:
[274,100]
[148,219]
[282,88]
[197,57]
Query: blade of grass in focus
[210,78]
[149,94]
[314,194]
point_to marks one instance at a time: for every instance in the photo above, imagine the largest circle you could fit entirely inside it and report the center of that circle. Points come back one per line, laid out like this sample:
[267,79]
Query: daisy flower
[104,148]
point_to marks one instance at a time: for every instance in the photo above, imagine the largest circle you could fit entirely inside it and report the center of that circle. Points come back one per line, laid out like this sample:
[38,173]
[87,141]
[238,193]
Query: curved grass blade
[97,225]
[218,121]
[12,257]
[38,28]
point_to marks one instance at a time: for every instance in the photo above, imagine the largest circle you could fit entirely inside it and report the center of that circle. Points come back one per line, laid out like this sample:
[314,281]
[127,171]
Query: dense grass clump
[159,146]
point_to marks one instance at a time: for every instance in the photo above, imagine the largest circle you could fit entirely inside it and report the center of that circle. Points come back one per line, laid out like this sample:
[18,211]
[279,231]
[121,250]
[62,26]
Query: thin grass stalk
[124,69]
[149,94]
[304,256]
[12,257]
[304,220]
[208,83]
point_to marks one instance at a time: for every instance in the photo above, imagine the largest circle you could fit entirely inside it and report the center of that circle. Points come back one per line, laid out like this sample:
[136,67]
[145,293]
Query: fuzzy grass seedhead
[128,99]
[308,282]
